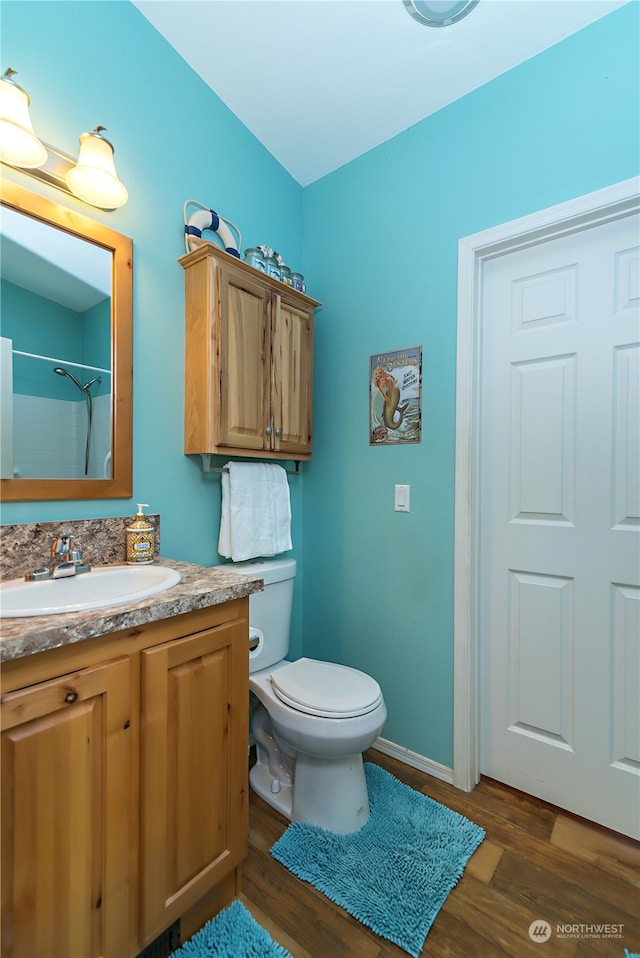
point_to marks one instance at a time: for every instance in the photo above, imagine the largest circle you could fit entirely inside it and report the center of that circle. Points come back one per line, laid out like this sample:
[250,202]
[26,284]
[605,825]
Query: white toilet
[313,719]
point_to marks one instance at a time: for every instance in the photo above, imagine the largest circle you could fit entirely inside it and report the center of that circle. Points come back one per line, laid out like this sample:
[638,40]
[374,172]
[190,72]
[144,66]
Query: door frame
[602,206]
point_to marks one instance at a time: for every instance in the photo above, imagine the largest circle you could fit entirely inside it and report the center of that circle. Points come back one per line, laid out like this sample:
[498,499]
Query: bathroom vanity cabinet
[248,360]
[124,785]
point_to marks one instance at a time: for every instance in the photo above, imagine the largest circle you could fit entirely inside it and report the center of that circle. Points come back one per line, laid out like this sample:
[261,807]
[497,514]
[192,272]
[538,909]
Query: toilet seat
[325,689]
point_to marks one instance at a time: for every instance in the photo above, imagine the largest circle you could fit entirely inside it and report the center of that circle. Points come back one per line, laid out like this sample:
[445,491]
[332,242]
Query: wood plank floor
[536,862]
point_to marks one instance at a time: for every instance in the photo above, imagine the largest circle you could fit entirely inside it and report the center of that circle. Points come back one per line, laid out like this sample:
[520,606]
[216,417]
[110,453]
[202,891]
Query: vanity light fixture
[19,146]
[439,13]
[92,178]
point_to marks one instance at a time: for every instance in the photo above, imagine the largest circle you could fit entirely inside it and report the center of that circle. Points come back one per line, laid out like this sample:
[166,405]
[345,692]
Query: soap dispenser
[140,538]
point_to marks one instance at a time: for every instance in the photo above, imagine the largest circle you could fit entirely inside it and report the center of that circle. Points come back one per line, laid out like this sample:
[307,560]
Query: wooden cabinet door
[292,377]
[66,798]
[248,360]
[195,694]
[243,346]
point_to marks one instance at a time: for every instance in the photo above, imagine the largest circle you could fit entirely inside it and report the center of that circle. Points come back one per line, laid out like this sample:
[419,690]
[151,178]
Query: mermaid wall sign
[395,397]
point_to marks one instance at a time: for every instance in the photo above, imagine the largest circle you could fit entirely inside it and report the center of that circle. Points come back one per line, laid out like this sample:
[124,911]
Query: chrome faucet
[65,561]
[61,565]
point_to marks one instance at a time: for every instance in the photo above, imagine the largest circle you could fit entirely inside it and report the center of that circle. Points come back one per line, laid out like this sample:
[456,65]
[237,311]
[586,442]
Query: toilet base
[262,782]
[330,793]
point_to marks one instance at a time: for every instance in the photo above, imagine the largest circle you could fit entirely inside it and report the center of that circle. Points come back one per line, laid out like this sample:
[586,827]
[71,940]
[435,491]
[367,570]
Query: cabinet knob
[71,697]
[268,430]
[278,432]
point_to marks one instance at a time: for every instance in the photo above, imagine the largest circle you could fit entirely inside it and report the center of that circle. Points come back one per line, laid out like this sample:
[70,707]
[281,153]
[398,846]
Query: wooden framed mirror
[66,353]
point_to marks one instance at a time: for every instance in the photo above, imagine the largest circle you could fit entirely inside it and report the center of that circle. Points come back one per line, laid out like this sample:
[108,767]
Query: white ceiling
[319,82]
[53,264]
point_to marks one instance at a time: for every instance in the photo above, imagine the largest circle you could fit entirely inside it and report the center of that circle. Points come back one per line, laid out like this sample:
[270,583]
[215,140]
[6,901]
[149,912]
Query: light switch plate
[402,498]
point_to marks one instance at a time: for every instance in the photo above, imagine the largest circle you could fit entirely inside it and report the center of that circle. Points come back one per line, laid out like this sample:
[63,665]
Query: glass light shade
[94,178]
[19,146]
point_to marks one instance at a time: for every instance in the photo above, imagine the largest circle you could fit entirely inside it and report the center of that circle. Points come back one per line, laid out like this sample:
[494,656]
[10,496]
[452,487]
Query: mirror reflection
[66,353]
[55,332]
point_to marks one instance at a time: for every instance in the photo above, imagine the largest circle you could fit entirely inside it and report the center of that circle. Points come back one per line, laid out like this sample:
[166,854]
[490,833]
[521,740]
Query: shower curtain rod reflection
[207,467]
[59,362]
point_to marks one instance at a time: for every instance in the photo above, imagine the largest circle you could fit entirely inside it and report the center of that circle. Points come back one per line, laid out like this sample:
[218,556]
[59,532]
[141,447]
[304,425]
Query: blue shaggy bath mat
[394,874]
[233,933]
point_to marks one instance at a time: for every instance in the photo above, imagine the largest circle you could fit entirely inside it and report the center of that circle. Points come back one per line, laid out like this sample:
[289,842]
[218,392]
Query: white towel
[256,511]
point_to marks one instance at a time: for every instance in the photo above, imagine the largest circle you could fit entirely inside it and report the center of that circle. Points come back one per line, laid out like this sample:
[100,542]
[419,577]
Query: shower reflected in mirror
[61,371]
[66,303]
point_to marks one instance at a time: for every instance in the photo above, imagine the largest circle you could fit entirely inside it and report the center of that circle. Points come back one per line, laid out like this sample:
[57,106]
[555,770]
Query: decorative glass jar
[254,257]
[285,275]
[271,267]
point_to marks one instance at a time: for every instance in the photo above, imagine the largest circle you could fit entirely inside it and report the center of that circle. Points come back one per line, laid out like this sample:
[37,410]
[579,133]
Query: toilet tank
[270,610]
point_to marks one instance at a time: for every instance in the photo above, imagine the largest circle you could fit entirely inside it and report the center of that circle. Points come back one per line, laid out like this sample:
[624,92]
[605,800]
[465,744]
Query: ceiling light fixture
[439,13]
[92,178]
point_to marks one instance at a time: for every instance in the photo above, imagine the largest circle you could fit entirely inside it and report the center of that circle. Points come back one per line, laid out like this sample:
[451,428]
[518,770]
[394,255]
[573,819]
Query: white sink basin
[102,587]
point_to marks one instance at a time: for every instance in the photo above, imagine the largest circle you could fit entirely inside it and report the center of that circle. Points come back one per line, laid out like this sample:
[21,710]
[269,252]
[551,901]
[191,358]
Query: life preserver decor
[207,219]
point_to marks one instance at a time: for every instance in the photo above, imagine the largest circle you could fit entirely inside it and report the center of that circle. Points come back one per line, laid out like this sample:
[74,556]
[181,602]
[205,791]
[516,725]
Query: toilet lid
[326,689]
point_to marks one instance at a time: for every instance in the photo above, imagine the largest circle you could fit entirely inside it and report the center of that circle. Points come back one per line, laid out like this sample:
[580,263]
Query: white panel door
[560,506]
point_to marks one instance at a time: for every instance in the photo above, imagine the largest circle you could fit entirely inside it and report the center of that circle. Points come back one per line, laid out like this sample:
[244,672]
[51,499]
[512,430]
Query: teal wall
[381,240]
[377,241]
[96,342]
[102,62]
[43,328]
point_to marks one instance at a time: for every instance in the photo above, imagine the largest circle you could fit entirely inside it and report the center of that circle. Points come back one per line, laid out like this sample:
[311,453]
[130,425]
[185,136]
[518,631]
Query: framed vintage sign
[395,397]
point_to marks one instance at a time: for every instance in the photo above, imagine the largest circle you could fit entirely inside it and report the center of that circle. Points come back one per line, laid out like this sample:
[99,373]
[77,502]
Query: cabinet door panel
[243,362]
[197,698]
[292,383]
[65,784]
[194,768]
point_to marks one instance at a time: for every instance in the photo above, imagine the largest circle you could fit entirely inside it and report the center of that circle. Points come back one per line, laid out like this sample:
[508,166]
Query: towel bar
[207,467]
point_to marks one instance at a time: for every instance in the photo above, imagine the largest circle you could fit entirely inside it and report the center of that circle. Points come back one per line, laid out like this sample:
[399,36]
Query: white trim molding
[604,205]
[441,772]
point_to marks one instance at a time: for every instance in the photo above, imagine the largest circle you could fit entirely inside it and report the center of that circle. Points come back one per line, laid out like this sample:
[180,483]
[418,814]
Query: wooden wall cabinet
[248,360]
[124,786]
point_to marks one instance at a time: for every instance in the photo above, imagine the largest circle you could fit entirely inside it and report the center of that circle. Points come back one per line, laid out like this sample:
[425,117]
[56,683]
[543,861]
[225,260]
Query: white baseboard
[441,772]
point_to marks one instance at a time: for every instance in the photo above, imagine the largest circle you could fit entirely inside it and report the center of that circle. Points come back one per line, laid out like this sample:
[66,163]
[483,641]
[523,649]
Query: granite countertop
[199,588]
